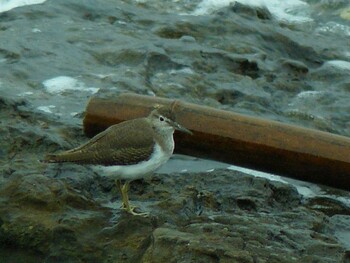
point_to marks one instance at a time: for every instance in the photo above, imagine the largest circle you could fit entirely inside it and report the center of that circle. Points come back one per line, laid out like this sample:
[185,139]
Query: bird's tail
[68,156]
[53,158]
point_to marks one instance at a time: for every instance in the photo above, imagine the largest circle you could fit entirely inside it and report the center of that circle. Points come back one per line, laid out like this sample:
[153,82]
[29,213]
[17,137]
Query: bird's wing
[111,147]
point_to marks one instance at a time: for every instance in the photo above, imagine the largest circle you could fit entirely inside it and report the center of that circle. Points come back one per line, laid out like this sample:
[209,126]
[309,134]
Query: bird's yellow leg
[125,199]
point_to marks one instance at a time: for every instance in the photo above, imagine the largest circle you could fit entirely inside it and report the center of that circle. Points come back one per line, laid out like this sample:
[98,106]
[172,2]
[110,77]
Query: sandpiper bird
[128,150]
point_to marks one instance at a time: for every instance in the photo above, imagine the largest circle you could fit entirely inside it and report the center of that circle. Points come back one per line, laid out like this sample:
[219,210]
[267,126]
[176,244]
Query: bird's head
[164,118]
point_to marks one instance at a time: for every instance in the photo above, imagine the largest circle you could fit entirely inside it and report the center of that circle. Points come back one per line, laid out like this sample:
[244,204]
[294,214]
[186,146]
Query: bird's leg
[124,193]
[125,199]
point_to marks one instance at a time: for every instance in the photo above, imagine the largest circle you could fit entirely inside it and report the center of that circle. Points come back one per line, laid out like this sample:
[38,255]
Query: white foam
[309,93]
[341,64]
[208,6]
[333,27]
[36,30]
[181,71]
[6,5]
[46,109]
[63,83]
[343,199]
[25,94]
[291,10]
[305,189]
[255,173]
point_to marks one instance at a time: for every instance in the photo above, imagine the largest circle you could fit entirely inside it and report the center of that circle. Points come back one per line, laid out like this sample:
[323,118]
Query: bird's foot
[131,210]
[125,200]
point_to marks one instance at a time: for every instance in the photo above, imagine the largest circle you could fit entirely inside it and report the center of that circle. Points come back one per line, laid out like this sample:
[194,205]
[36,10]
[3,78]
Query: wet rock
[238,58]
[243,214]
[137,48]
[189,39]
[178,32]
[10,56]
[328,206]
[130,57]
[36,190]
[191,247]
[222,215]
[295,66]
[260,12]
[46,216]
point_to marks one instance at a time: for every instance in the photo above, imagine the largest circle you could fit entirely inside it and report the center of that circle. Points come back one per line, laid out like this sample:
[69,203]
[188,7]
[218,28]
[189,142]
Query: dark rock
[295,66]
[260,12]
[223,216]
[45,216]
[328,206]
[238,58]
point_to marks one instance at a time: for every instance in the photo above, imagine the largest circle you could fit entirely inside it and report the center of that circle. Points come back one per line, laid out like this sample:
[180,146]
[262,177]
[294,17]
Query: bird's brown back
[123,144]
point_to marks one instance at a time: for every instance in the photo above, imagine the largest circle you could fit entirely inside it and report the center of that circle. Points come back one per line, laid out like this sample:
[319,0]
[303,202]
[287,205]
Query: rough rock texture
[238,58]
[222,216]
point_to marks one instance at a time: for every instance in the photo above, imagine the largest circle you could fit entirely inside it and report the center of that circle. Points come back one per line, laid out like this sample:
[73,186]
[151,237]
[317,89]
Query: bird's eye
[161,118]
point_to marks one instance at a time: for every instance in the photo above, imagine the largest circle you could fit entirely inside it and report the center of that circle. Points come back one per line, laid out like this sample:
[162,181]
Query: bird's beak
[180,128]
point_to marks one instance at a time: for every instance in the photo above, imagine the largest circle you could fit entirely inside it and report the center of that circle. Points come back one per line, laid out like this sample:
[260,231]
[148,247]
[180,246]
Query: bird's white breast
[135,171]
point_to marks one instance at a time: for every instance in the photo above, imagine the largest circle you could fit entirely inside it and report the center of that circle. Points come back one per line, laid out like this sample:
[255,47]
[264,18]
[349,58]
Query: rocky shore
[237,58]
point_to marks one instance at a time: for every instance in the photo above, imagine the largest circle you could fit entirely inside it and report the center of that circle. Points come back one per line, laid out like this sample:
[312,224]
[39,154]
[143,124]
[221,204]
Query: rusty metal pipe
[265,145]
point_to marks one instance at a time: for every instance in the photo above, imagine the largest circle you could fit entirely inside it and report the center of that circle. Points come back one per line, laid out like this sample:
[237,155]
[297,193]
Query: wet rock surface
[222,216]
[238,58]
